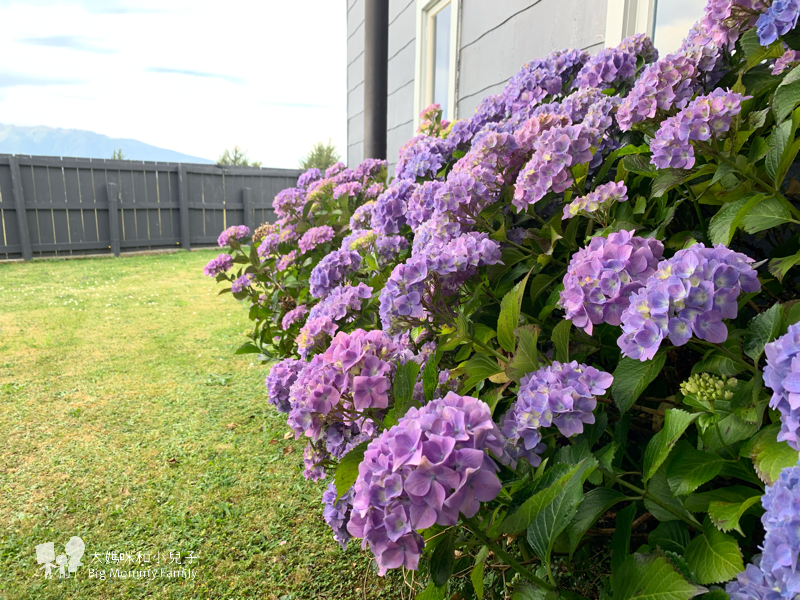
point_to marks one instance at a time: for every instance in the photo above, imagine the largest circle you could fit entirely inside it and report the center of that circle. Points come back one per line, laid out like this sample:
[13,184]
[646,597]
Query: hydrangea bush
[557,354]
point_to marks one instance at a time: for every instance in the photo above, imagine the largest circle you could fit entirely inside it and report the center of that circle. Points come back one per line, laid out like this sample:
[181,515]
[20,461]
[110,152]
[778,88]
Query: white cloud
[193,76]
[674,19]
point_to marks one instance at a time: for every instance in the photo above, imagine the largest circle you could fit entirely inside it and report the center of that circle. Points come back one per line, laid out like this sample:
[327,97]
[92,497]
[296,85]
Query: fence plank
[19,203]
[247,200]
[113,216]
[73,196]
[183,194]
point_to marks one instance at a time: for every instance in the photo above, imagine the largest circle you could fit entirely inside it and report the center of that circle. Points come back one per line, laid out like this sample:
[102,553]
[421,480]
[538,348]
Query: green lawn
[127,420]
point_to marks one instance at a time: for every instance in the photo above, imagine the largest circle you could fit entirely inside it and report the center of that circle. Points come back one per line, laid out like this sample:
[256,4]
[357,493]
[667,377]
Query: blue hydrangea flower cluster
[293,316]
[431,466]
[235,233]
[337,513]
[615,67]
[222,264]
[389,213]
[775,574]
[279,382]
[703,117]
[598,201]
[601,278]
[314,237]
[562,394]
[691,293]
[331,270]
[344,301]
[782,376]
[779,19]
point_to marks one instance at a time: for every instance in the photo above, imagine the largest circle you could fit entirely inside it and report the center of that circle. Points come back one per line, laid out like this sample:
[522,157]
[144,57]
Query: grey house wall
[496,39]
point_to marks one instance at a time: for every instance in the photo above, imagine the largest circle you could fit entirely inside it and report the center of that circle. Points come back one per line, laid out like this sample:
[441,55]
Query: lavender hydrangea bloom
[286,261]
[233,233]
[563,394]
[431,466]
[375,190]
[691,293]
[420,205]
[786,59]
[422,156]
[289,202]
[314,237]
[614,67]
[601,278]
[308,177]
[293,316]
[269,245]
[369,168]
[779,19]
[724,20]
[350,189]
[598,201]
[334,170]
[331,270]
[389,213]
[782,376]
[362,216]
[280,380]
[337,513]
[703,117]
[343,302]
[221,264]
[242,283]
[774,574]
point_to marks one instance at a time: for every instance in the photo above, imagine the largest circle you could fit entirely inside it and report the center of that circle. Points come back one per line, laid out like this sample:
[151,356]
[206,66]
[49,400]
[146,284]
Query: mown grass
[125,419]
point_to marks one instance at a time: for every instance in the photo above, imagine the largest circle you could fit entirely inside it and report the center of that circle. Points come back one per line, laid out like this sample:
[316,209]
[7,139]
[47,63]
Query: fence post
[183,200]
[19,205]
[247,200]
[113,216]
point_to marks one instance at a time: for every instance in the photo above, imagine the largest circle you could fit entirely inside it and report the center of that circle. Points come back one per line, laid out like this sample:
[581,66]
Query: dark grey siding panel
[496,42]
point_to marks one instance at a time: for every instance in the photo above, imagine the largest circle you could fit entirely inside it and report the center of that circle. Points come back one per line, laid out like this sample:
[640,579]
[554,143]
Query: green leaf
[595,504]
[770,456]
[779,267]
[761,330]
[787,96]
[482,366]
[248,348]
[476,577]
[668,179]
[640,165]
[658,489]
[714,557]
[347,469]
[631,378]
[430,375]
[442,560]
[726,515]
[403,388]
[755,52]
[778,140]
[690,468]
[539,284]
[621,540]
[510,308]
[432,592]
[526,360]
[768,213]
[675,423]
[670,536]
[718,364]
[723,224]
[525,590]
[651,577]
[560,339]
[697,503]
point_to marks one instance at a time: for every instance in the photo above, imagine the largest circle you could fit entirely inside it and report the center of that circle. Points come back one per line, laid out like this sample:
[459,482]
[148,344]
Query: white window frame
[423,76]
[627,17]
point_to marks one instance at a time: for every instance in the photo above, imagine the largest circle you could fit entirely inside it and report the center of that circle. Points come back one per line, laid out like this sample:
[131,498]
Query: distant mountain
[51,141]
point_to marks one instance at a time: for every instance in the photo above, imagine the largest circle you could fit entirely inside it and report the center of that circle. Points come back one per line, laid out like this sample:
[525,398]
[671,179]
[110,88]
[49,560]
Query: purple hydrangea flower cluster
[389,213]
[614,67]
[775,574]
[375,190]
[782,376]
[269,245]
[724,20]
[779,19]
[280,380]
[562,394]
[556,151]
[293,316]
[334,170]
[286,261]
[601,278]
[222,264]
[337,513]
[309,177]
[234,233]
[289,202]
[786,59]
[331,270]
[242,283]
[343,301]
[691,293]
[350,189]
[598,201]
[314,237]
[422,156]
[431,466]
[369,168]
[410,283]
[703,117]
[420,205]
[362,216]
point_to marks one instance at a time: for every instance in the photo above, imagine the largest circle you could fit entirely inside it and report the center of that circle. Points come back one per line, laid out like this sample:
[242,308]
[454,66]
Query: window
[674,18]
[627,17]
[437,32]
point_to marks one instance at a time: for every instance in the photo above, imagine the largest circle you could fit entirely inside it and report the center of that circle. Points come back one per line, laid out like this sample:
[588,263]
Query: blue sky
[674,18]
[193,76]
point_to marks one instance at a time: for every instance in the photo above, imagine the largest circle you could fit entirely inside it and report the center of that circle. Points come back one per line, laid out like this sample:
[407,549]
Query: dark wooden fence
[53,206]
